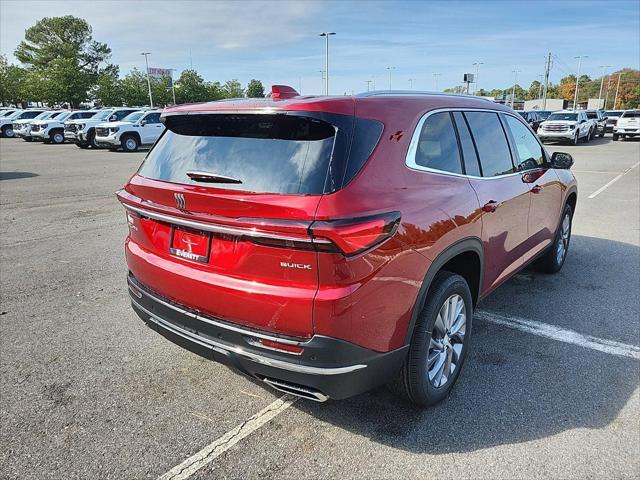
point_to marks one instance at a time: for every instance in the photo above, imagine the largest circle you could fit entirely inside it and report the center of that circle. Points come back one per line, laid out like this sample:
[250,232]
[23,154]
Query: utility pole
[606,97]
[369,85]
[541,77]
[515,81]
[435,81]
[173,88]
[602,80]
[326,35]
[615,102]
[575,98]
[477,65]
[411,84]
[390,70]
[547,69]
[146,60]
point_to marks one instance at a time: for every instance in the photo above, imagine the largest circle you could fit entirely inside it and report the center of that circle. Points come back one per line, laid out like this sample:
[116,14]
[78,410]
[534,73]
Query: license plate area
[191,244]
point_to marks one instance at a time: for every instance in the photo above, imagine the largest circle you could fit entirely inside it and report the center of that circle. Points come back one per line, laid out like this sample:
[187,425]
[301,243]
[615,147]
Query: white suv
[52,129]
[138,128]
[567,125]
[82,132]
[22,128]
[628,125]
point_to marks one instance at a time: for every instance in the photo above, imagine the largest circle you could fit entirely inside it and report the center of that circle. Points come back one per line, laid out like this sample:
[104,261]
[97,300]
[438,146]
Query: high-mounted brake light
[283,92]
[353,236]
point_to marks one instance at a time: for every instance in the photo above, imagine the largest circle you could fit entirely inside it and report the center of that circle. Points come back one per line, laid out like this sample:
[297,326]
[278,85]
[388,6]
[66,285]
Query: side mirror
[605,118]
[113,118]
[143,123]
[561,160]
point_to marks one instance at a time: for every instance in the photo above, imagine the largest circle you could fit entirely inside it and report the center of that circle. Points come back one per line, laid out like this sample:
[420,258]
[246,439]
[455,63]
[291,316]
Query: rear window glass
[631,114]
[592,115]
[267,153]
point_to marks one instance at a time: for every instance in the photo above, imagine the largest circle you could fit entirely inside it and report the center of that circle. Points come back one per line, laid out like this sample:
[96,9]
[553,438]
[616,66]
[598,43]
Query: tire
[434,343]
[83,146]
[8,132]
[576,138]
[592,134]
[27,139]
[91,139]
[553,259]
[113,149]
[615,137]
[57,137]
[129,143]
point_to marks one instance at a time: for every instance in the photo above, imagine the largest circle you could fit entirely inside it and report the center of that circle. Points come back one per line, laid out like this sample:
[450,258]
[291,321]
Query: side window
[491,143]
[30,115]
[437,146]
[120,114]
[153,118]
[471,164]
[529,152]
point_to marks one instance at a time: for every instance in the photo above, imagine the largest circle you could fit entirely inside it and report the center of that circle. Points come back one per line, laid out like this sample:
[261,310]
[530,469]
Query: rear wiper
[208,177]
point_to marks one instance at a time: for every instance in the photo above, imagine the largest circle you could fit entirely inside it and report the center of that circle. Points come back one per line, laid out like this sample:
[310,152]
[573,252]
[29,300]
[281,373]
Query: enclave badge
[180,201]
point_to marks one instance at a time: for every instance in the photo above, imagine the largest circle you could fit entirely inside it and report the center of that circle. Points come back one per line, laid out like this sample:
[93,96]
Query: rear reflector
[282,347]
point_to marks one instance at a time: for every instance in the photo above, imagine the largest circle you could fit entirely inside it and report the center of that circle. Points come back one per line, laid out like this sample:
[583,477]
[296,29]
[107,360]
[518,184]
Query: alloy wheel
[563,241]
[447,341]
[131,144]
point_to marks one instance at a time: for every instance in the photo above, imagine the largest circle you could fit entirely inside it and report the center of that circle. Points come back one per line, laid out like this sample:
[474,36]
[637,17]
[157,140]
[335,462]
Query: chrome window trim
[410,158]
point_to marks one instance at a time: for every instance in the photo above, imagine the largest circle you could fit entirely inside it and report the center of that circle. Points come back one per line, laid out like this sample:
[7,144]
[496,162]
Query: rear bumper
[327,367]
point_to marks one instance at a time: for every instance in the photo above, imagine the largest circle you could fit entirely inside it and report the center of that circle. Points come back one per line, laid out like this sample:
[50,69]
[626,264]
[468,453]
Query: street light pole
[326,35]
[477,65]
[575,98]
[146,61]
[435,81]
[515,81]
[390,69]
[615,101]
[368,85]
[602,80]
[173,88]
[411,84]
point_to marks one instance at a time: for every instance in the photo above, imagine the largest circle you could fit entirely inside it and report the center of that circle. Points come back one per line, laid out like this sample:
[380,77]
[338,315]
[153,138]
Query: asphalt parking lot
[87,391]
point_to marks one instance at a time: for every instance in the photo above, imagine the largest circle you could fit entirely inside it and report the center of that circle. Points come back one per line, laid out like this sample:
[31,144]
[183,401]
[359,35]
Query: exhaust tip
[297,390]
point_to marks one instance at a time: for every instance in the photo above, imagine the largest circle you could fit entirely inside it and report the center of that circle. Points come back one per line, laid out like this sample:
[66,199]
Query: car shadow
[16,175]
[516,387]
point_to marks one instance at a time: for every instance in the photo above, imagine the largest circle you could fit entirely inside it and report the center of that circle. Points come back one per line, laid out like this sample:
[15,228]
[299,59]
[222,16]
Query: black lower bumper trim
[333,367]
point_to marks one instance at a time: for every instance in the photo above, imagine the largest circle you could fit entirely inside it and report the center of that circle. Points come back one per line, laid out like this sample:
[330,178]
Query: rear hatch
[220,213]
[629,120]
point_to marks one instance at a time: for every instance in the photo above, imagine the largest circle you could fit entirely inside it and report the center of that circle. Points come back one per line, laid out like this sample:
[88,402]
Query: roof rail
[382,93]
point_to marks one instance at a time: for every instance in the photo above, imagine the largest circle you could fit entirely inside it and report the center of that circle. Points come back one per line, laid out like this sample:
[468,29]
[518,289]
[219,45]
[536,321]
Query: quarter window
[529,153]
[491,143]
[437,146]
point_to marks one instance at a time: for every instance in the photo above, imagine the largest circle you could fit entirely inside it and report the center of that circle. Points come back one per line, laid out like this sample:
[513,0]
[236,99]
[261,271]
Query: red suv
[328,245]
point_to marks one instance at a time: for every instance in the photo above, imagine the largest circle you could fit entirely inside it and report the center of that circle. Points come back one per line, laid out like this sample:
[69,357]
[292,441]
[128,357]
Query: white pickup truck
[7,121]
[567,125]
[52,129]
[628,125]
[136,129]
[22,128]
[82,132]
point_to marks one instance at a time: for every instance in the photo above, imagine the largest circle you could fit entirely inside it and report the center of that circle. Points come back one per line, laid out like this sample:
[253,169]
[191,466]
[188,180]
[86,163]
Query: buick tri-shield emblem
[180,201]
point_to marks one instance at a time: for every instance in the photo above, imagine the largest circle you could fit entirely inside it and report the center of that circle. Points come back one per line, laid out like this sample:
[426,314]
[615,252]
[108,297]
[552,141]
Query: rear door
[503,198]
[219,214]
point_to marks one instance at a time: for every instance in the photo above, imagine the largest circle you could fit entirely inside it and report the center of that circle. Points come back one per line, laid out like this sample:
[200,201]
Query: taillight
[353,236]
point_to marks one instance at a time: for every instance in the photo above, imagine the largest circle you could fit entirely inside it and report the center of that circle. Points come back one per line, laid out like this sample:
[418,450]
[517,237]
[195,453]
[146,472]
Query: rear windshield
[631,114]
[592,115]
[268,153]
[563,116]
[613,113]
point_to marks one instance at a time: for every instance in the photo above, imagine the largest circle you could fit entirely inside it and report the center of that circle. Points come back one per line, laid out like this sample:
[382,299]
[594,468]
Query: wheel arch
[133,134]
[452,259]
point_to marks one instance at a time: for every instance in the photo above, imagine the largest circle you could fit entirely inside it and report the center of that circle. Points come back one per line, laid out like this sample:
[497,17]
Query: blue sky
[277,42]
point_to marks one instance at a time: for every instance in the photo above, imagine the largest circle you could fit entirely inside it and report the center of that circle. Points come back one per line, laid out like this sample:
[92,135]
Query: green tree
[134,88]
[12,82]
[108,90]
[61,51]
[161,91]
[233,89]
[534,90]
[255,89]
[215,91]
[191,87]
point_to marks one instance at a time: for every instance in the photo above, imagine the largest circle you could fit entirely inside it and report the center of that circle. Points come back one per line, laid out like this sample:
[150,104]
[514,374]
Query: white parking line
[228,440]
[562,334]
[603,188]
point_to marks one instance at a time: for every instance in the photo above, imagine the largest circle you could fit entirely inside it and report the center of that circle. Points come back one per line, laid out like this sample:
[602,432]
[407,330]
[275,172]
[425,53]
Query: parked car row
[123,128]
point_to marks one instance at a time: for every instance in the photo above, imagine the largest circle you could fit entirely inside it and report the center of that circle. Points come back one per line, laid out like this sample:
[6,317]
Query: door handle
[536,189]
[490,206]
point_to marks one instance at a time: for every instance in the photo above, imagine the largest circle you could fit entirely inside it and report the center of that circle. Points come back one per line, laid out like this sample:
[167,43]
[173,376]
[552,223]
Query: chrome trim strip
[410,159]
[242,331]
[302,392]
[208,227]
[224,349]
